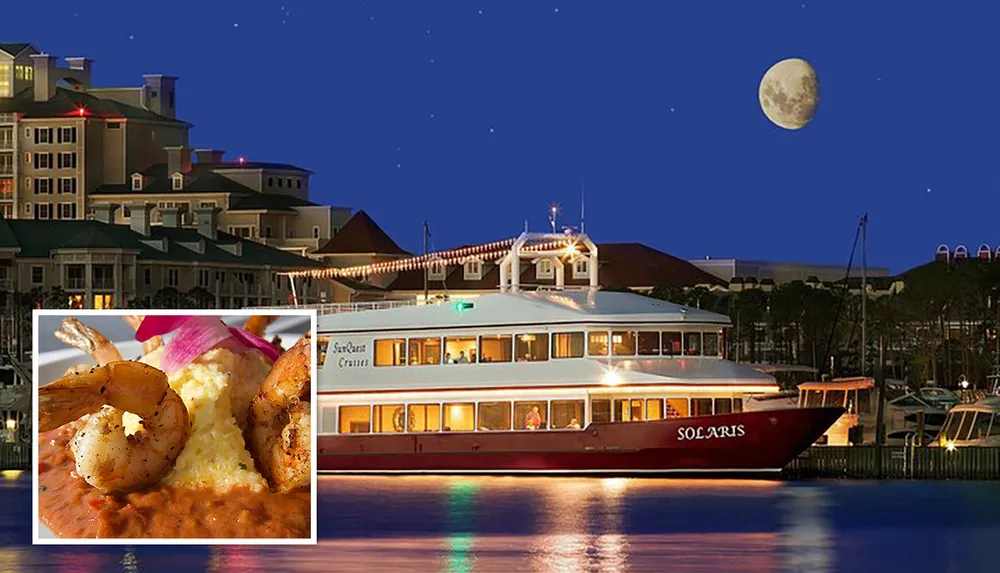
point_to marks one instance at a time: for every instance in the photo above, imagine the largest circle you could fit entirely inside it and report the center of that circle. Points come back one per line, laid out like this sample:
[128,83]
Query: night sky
[477,115]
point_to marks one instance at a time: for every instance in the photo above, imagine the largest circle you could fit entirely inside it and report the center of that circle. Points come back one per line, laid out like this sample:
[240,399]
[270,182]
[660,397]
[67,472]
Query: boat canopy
[857,383]
[991,404]
[522,308]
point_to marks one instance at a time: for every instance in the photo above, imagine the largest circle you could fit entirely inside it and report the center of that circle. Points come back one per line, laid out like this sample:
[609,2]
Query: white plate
[52,365]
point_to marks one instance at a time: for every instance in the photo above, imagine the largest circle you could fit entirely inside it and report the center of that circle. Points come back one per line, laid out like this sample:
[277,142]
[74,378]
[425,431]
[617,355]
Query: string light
[489,251]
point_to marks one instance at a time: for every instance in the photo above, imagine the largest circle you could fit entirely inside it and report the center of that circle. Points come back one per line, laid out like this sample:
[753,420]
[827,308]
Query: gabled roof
[67,103]
[258,165]
[38,238]
[200,179]
[14,48]
[361,235]
[269,201]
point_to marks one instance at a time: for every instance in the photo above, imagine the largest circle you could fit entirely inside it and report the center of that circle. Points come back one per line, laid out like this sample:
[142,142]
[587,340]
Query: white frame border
[35,518]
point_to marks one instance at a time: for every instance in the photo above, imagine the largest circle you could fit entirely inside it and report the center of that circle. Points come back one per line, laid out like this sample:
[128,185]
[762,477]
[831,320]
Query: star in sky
[236,24]
[492,130]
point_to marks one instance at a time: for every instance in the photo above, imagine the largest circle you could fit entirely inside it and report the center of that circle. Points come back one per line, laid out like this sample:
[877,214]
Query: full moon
[789,93]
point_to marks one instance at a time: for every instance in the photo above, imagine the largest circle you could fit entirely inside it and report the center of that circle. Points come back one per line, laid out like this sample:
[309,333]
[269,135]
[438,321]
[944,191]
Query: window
[74,301]
[628,410]
[648,343]
[279,182]
[623,343]
[654,409]
[289,180]
[711,343]
[203,277]
[496,348]
[388,419]
[355,419]
[37,274]
[390,352]
[43,160]
[177,182]
[104,301]
[835,398]
[242,231]
[66,135]
[950,428]
[43,135]
[6,188]
[66,160]
[966,426]
[267,232]
[173,277]
[473,270]
[701,406]
[531,347]
[43,186]
[459,417]
[544,270]
[737,404]
[27,208]
[671,344]
[315,232]
[425,351]
[6,87]
[494,416]
[42,211]
[567,414]
[207,204]
[677,408]
[597,344]
[270,181]
[436,271]
[600,410]
[298,184]
[530,415]
[27,130]
[692,343]
[137,182]
[863,404]
[581,269]
[813,398]
[67,210]
[424,418]
[723,406]
[114,125]
[67,185]
[147,276]
[567,345]
[459,350]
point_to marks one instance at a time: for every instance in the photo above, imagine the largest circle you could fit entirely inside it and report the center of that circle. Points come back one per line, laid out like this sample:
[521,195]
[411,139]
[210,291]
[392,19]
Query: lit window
[473,270]
[710,343]
[425,351]
[436,271]
[654,409]
[459,350]
[677,408]
[355,419]
[581,269]
[692,343]
[496,348]
[137,182]
[567,345]
[567,414]
[671,345]
[178,182]
[623,343]
[532,347]
[544,269]
[423,418]
[389,419]
[459,417]
[597,343]
[701,406]
[390,352]
[494,416]
[530,415]
[104,301]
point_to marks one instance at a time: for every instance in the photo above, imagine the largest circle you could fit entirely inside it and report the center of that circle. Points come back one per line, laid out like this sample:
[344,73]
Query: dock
[898,462]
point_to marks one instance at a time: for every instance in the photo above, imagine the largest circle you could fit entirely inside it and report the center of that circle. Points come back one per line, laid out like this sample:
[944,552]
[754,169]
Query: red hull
[763,441]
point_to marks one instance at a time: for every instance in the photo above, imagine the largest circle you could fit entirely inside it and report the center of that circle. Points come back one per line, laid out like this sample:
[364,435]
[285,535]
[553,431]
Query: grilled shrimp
[134,320]
[105,456]
[78,335]
[278,425]
[257,324]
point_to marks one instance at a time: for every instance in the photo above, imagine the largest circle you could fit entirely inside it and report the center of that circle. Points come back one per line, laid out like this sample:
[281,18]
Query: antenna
[583,196]
[553,210]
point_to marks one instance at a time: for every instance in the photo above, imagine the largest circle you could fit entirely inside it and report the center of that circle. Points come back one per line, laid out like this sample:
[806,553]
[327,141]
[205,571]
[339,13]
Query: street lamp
[11,428]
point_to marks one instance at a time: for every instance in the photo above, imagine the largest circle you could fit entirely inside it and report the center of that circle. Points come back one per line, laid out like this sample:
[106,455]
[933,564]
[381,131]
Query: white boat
[976,424]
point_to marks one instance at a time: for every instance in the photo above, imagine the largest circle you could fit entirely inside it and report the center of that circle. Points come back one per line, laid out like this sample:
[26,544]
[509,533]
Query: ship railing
[340,308]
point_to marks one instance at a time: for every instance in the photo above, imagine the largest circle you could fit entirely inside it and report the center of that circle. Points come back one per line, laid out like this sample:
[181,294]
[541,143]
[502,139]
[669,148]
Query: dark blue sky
[478,121]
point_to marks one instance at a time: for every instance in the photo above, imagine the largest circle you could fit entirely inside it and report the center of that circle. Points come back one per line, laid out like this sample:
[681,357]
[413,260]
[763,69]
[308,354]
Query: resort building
[67,146]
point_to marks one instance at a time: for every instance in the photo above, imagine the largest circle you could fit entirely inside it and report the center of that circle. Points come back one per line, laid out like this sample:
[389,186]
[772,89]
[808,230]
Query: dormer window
[473,270]
[137,182]
[177,182]
[544,269]
[435,271]
[581,268]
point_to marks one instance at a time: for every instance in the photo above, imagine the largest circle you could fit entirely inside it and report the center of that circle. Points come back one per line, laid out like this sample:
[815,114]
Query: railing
[6,169]
[339,308]
[15,456]
[76,284]
[8,117]
[907,462]
[103,284]
[6,145]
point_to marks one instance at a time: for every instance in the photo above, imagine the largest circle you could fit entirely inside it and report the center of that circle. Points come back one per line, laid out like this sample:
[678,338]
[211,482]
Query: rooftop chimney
[139,216]
[105,212]
[82,67]
[45,76]
[171,217]
[208,221]
[209,155]
[178,160]
[159,93]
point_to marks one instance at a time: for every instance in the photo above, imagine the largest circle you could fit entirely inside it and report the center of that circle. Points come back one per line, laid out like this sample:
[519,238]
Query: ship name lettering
[353,355]
[710,432]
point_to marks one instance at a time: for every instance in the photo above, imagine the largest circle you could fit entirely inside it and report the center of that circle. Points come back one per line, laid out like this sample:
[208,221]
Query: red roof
[361,235]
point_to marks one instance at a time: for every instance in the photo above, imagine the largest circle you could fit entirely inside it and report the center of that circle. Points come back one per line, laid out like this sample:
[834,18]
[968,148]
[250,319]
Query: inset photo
[174,427]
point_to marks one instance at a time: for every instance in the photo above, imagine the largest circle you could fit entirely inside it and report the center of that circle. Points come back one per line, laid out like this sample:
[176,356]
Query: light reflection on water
[570,525]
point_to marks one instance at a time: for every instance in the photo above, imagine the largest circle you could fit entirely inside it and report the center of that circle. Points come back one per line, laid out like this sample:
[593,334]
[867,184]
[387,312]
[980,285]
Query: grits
[215,388]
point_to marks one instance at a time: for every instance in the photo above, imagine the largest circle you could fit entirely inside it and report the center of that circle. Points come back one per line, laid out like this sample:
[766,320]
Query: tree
[168,297]
[199,297]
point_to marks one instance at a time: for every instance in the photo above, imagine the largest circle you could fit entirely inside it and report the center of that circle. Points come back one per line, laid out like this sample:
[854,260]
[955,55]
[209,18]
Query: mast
[583,196]
[426,233]
[864,293]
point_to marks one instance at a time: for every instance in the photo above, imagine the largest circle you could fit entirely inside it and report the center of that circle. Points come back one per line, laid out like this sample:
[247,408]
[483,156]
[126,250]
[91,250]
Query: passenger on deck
[462,359]
[533,420]
[573,425]
[448,359]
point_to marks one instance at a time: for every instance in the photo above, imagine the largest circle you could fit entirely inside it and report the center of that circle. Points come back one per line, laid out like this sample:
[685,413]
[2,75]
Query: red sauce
[72,508]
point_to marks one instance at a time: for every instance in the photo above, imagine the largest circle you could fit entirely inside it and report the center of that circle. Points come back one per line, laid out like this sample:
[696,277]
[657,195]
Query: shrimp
[78,335]
[257,324]
[278,425]
[134,320]
[105,456]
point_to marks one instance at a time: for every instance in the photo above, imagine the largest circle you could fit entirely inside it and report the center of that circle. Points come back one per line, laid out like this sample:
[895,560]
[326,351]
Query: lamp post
[11,430]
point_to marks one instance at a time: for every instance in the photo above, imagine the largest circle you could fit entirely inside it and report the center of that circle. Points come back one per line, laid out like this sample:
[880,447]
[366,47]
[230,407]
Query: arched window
[985,252]
[961,252]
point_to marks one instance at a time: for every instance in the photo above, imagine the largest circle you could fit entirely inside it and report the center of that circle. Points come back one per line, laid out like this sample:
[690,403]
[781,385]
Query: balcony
[6,145]
[103,284]
[6,169]
[76,284]
[8,117]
